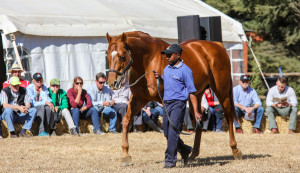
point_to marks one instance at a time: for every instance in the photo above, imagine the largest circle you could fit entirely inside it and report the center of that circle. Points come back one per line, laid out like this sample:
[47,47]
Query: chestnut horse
[140,54]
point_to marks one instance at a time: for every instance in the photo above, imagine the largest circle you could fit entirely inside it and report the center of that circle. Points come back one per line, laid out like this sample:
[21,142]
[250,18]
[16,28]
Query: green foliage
[278,21]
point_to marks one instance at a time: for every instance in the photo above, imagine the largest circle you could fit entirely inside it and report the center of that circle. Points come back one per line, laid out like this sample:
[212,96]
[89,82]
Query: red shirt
[210,100]
[72,94]
[24,83]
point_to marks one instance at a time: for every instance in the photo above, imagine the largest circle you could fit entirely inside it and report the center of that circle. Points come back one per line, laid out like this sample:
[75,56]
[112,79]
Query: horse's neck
[144,52]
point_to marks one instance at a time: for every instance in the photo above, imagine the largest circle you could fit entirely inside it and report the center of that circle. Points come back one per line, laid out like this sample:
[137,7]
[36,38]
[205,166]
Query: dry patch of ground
[91,153]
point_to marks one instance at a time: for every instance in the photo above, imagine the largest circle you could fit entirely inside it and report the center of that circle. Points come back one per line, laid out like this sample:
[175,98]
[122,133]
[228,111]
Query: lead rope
[198,124]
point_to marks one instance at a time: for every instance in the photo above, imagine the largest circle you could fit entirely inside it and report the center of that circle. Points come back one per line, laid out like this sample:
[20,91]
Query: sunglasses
[79,83]
[101,82]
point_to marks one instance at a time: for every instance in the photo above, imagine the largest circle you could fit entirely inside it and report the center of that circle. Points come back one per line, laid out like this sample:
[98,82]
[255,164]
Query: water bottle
[280,72]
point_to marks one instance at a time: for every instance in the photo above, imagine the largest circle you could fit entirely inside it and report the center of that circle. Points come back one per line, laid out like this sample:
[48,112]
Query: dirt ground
[91,153]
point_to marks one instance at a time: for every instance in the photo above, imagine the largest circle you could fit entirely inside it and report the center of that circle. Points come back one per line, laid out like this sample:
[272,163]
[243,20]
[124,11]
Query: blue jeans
[92,112]
[154,115]
[259,113]
[10,116]
[217,123]
[112,114]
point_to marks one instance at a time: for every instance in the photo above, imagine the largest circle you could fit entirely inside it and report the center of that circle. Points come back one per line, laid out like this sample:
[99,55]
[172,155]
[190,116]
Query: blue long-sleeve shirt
[98,97]
[43,98]
[245,98]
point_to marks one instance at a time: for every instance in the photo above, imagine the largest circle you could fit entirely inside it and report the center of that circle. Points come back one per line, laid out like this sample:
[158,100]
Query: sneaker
[43,134]
[256,130]
[114,132]
[1,137]
[239,130]
[274,131]
[99,132]
[291,131]
[24,135]
[219,131]
[13,136]
[185,156]
[74,132]
[53,133]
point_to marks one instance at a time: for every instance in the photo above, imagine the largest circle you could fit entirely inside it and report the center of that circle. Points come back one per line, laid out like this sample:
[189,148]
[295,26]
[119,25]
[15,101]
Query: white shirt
[288,92]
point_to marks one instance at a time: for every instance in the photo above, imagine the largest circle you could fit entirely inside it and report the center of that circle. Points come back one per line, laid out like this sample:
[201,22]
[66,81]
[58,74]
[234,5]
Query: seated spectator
[1,137]
[247,102]
[101,97]
[213,106]
[81,106]
[282,101]
[42,102]
[17,108]
[121,98]
[60,103]
[188,119]
[150,115]
[16,71]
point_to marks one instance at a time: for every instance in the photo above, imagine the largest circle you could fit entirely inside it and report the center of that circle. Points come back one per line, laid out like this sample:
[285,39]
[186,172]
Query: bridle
[122,74]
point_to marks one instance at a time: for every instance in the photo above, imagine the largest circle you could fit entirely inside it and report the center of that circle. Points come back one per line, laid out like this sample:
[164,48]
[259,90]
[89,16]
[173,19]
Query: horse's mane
[137,34]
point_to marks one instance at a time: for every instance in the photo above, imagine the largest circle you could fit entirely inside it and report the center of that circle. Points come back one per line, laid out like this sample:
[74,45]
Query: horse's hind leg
[132,110]
[228,109]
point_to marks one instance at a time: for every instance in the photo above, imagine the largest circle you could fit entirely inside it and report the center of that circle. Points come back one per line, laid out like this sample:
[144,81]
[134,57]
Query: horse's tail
[231,101]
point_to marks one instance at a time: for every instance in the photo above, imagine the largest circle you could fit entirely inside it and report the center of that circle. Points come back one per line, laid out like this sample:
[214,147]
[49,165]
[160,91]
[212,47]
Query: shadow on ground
[222,160]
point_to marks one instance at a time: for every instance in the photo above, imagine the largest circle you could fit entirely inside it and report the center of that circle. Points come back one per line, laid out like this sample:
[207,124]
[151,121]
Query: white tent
[66,38]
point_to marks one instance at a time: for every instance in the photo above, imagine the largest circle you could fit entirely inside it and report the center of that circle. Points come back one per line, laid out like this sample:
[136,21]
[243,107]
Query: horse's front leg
[133,108]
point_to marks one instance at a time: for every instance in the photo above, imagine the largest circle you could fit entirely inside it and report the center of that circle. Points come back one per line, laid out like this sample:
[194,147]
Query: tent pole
[13,39]
[259,67]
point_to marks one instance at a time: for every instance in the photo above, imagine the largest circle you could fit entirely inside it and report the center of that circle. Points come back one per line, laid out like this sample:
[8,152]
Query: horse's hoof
[126,161]
[238,155]
[193,156]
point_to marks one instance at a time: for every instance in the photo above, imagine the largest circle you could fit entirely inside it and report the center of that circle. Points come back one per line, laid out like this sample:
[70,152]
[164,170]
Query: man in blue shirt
[248,104]
[101,97]
[178,87]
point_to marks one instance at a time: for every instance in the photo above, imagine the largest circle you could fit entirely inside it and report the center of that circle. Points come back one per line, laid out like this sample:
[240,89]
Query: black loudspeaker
[188,27]
[203,28]
[212,27]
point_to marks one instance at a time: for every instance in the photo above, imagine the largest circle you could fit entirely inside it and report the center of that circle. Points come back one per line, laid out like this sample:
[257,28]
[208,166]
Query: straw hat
[15,67]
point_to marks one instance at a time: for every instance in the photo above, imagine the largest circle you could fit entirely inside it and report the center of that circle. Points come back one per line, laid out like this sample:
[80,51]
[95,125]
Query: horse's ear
[108,37]
[124,38]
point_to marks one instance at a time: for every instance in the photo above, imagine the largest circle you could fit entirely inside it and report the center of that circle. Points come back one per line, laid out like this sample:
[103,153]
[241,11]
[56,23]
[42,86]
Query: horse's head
[119,59]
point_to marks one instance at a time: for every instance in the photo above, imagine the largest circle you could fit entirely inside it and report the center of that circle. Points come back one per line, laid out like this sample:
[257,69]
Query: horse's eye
[122,58]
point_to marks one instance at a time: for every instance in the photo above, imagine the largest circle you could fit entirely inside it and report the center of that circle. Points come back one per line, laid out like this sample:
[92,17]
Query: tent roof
[97,17]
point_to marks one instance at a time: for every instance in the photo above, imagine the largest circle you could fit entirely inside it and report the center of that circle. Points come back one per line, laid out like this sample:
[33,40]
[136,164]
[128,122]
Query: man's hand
[22,109]
[160,104]
[83,108]
[156,74]
[198,116]
[79,90]
[56,108]
[216,103]
[112,102]
[50,105]
[202,109]
[105,103]
[249,109]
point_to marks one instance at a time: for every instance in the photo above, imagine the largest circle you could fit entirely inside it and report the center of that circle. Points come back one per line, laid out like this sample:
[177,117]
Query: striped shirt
[4,98]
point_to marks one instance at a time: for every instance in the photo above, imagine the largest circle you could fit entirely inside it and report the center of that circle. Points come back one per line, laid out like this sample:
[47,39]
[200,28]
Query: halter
[122,74]
[127,66]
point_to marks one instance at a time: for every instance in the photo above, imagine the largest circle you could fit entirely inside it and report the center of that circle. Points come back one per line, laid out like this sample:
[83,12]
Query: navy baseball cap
[244,78]
[174,48]
[37,76]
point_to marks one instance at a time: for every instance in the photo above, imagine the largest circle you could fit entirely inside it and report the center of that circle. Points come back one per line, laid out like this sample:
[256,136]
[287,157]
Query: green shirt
[60,99]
